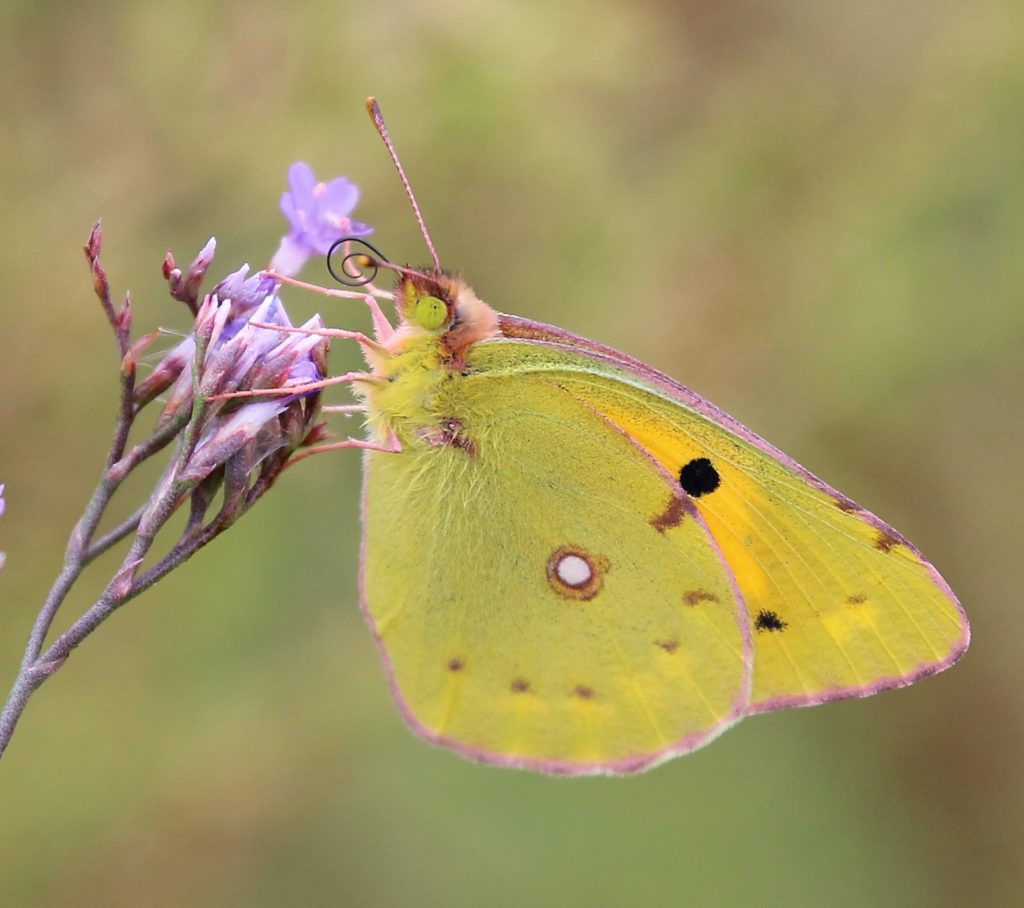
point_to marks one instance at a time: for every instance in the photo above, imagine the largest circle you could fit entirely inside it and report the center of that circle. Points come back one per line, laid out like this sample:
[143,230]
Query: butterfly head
[426,302]
[439,305]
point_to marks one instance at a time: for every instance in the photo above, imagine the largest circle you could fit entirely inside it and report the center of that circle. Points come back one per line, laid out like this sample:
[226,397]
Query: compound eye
[430,312]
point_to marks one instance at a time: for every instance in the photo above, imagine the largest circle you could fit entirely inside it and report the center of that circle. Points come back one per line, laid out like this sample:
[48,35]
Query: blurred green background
[811,213]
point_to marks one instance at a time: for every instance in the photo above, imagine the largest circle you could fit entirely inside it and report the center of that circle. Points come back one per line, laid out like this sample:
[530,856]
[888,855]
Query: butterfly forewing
[839,603]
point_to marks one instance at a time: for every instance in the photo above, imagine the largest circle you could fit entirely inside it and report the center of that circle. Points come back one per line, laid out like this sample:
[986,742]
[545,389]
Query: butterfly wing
[537,597]
[840,603]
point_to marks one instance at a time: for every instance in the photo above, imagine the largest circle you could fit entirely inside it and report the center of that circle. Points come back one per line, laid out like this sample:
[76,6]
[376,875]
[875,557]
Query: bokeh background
[811,213]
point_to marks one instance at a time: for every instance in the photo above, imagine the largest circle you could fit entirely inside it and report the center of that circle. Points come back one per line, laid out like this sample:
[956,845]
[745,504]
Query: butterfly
[571,563]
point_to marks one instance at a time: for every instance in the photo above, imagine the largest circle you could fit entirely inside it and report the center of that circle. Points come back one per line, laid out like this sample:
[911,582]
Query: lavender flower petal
[318,216]
[245,293]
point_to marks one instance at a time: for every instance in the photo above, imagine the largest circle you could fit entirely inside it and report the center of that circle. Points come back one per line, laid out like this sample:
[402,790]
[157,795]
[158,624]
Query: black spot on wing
[699,477]
[769,621]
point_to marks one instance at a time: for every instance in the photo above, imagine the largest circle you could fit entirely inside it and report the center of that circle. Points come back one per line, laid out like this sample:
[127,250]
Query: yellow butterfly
[572,563]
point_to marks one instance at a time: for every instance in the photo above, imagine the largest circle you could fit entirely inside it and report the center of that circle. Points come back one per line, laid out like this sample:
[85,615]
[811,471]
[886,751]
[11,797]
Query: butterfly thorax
[426,359]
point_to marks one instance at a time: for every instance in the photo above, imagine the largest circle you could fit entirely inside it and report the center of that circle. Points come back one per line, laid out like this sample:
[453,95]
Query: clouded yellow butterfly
[574,564]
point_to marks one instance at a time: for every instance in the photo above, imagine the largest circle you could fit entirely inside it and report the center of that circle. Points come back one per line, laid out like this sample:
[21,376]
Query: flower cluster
[236,327]
[242,350]
[237,347]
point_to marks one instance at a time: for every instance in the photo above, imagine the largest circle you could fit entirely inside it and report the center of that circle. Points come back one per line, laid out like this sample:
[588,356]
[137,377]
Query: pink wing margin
[515,328]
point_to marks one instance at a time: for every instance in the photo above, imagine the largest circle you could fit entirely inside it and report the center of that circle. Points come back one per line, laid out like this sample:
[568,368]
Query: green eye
[430,312]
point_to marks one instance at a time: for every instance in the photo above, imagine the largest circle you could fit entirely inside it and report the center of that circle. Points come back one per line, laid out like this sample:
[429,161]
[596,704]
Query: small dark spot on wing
[670,646]
[583,692]
[769,621]
[672,516]
[455,665]
[692,597]
[520,686]
[886,542]
[856,599]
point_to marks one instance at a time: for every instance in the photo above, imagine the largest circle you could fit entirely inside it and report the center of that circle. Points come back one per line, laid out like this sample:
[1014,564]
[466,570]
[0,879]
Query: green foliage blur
[811,213]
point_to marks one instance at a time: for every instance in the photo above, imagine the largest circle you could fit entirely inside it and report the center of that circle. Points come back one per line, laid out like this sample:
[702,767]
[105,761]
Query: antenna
[373,109]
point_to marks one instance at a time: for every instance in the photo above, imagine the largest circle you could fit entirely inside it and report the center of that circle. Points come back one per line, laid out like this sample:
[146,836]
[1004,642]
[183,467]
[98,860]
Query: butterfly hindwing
[542,592]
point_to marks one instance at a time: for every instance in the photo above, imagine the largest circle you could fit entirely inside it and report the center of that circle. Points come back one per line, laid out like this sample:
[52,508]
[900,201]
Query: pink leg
[357,336]
[381,326]
[393,446]
[304,388]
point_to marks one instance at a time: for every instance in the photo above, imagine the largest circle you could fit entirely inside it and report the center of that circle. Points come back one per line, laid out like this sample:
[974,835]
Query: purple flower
[239,355]
[242,357]
[245,293]
[319,216]
[239,434]
[184,286]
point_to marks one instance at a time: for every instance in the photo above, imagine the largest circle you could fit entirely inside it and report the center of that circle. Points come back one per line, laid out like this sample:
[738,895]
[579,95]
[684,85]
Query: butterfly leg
[367,343]
[392,446]
[382,328]
[303,388]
